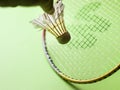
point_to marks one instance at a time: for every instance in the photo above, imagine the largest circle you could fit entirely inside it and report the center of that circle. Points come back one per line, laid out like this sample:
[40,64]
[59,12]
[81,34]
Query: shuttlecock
[54,23]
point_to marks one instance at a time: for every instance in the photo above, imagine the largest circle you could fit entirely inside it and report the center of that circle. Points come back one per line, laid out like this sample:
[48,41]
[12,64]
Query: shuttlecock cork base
[64,38]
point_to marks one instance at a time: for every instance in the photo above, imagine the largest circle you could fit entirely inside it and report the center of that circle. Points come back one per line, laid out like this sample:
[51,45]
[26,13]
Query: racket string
[92,52]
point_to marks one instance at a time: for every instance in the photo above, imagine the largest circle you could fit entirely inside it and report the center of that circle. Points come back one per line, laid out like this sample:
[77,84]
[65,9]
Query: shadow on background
[72,85]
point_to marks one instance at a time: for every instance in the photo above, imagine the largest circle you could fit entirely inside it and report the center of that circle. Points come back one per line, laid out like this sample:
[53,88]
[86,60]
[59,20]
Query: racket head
[93,53]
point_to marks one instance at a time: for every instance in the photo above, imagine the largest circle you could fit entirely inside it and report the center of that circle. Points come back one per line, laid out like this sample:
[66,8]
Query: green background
[23,65]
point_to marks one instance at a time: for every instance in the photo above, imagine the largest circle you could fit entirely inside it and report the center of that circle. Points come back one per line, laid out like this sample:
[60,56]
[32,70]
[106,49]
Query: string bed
[93,53]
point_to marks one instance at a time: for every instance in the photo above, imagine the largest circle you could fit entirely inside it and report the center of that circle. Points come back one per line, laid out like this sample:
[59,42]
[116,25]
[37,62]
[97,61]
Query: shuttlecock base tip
[65,38]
